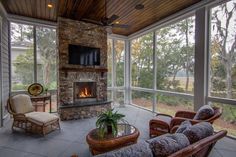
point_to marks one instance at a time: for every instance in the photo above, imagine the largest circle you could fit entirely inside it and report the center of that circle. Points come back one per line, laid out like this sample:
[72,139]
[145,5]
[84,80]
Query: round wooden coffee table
[127,135]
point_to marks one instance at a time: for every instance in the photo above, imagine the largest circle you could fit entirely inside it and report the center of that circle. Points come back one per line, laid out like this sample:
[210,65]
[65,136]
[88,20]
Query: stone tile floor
[71,139]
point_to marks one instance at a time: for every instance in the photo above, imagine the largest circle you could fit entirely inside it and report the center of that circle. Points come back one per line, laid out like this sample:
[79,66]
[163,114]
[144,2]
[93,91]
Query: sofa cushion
[183,126]
[204,113]
[198,131]
[21,103]
[140,149]
[167,144]
[41,118]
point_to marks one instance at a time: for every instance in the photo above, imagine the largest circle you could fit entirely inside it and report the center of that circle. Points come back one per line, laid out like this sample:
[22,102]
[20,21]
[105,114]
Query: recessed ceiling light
[139,6]
[50,5]
[117,22]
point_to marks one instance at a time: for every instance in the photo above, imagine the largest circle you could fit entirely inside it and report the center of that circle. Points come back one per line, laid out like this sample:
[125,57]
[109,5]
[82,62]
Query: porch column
[201,64]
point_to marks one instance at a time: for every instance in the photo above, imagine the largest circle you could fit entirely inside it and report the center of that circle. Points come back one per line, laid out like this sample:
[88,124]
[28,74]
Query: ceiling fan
[106,22]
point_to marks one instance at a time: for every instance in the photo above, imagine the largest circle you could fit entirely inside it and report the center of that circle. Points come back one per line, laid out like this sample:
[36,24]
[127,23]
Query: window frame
[1,83]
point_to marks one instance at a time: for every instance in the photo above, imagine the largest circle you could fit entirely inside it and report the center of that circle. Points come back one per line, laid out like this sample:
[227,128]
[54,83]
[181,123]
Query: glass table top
[122,130]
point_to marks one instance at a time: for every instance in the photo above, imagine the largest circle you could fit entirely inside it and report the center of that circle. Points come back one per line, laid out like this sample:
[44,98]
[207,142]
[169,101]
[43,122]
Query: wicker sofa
[196,140]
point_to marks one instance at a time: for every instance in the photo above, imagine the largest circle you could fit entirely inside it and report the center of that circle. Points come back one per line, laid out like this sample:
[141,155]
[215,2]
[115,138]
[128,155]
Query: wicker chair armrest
[173,130]
[185,114]
[162,114]
[155,122]
[19,116]
[178,120]
[201,147]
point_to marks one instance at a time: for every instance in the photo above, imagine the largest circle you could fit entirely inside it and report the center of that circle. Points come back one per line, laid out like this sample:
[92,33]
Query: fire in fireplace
[83,90]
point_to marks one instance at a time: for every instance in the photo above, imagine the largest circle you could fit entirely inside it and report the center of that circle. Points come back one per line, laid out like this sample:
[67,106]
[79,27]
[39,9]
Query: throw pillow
[167,144]
[140,149]
[198,131]
[204,113]
[183,126]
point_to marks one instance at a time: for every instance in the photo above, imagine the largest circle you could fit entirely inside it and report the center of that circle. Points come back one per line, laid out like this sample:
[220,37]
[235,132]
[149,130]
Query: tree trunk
[226,55]
[229,80]
[187,80]
[47,68]
[187,55]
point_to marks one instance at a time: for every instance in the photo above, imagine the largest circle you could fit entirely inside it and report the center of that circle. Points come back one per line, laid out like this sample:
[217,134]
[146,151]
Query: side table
[42,98]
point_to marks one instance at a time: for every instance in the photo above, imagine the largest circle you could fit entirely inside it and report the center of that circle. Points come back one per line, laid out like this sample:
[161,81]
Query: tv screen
[83,55]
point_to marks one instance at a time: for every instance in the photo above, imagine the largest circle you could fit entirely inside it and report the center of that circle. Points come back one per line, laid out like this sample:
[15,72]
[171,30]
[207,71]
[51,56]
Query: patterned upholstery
[184,125]
[21,103]
[198,131]
[204,112]
[167,144]
[140,149]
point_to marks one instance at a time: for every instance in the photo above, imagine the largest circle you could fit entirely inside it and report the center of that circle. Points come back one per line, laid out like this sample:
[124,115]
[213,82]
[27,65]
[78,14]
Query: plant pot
[109,129]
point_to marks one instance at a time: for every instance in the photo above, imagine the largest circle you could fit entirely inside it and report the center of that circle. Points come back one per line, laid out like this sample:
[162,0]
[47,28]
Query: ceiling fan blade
[112,19]
[120,26]
[92,21]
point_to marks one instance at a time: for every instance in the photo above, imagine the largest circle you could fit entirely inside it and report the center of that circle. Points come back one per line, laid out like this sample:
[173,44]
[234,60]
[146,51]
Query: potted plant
[107,122]
[46,90]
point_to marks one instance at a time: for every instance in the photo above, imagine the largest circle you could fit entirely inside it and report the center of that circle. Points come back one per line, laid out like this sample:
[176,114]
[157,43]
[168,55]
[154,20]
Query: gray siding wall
[5,63]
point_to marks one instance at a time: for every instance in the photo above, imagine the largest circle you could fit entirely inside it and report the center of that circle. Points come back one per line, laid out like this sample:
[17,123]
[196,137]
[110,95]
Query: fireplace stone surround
[73,32]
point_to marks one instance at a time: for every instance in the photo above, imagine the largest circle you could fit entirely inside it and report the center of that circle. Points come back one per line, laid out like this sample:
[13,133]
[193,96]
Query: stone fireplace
[82,90]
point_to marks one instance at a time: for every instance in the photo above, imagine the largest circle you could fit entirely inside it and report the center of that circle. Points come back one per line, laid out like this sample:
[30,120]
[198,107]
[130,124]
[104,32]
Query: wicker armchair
[24,117]
[164,123]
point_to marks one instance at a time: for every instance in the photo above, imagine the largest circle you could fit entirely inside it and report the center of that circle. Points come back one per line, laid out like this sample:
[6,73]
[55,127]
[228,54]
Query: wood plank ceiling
[154,10]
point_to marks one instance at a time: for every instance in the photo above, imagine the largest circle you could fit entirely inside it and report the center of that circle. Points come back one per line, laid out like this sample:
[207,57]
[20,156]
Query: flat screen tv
[83,55]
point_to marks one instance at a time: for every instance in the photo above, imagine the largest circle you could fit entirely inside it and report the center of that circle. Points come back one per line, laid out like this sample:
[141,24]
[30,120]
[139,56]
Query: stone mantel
[84,69]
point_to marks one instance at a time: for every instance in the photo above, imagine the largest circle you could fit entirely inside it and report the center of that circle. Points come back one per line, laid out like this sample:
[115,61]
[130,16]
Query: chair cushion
[167,144]
[41,118]
[198,131]
[21,103]
[204,113]
[183,126]
[140,149]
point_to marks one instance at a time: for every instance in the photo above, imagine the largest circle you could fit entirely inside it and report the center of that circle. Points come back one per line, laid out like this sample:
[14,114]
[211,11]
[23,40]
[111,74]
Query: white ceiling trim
[31,21]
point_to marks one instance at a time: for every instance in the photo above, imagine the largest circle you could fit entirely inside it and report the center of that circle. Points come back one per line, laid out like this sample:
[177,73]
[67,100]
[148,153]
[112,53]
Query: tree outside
[23,56]
[142,61]
[46,57]
[223,61]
